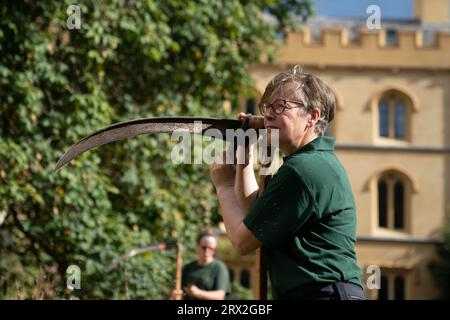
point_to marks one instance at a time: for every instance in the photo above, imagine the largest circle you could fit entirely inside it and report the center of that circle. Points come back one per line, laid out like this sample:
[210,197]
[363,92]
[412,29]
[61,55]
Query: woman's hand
[243,155]
[176,294]
[223,174]
[194,291]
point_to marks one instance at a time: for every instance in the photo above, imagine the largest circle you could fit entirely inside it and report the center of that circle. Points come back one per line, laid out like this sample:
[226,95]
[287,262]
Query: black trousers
[338,291]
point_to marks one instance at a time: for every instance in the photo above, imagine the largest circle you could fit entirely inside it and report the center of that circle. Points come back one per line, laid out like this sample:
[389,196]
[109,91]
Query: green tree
[129,59]
[441,267]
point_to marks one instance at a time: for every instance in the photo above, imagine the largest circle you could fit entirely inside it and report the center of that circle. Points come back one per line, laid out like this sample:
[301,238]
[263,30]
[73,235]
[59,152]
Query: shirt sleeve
[281,210]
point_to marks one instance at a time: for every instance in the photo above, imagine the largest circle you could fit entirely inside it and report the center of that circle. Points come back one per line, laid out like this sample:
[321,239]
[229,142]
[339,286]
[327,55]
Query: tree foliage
[130,59]
[440,267]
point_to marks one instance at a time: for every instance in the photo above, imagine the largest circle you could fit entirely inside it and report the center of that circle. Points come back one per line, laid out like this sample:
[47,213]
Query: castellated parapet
[370,49]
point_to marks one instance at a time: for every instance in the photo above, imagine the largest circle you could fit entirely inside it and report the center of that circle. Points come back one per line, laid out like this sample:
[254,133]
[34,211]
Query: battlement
[371,49]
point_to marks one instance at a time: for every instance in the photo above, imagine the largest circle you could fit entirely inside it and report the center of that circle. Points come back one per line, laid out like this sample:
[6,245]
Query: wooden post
[261,275]
[261,267]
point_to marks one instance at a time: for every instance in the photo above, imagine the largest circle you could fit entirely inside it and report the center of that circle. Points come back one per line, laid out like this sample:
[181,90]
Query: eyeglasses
[204,248]
[278,106]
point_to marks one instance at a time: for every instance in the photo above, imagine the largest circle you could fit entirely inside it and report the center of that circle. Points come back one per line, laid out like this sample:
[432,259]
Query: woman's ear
[314,116]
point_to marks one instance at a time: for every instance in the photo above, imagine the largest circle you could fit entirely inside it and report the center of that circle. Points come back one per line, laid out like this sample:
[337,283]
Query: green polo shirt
[306,221]
[213,276]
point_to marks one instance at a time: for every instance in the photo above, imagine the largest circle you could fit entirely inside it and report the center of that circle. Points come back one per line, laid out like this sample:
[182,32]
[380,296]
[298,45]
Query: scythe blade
[129,129]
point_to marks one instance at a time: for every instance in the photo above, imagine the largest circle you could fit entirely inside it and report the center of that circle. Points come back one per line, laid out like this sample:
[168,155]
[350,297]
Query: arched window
[383,117]
[399,205]
[399,288]
[384,288]
[248,102]
[245,278]
[392,285]
[399,120]
[394,112]
[382,204]
[391,37]
[392,189]
[250,106]
[231,272]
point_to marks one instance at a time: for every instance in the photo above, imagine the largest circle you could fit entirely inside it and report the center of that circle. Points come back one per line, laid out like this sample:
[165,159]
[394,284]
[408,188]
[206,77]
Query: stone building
[393,136]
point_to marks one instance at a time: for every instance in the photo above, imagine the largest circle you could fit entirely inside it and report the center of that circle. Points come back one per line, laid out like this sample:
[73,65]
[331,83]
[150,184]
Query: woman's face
[206,248]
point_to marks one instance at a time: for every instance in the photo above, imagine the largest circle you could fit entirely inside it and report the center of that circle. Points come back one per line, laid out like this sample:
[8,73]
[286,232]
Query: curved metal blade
[136,251]
[128,129]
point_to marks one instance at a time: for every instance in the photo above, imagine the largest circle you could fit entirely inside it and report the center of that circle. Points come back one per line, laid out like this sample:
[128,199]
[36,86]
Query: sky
[390,9]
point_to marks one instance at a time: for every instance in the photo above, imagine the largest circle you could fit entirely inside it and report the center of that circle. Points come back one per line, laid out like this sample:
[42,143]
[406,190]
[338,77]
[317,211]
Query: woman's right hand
[176,295]
[242,116]
[247,156]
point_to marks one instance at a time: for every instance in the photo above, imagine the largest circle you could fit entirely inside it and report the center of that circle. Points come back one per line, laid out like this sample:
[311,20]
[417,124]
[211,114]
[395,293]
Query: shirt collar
[324,143]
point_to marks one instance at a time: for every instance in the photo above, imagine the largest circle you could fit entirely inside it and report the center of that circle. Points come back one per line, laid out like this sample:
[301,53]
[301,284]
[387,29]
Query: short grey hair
[308,89]
[207,232]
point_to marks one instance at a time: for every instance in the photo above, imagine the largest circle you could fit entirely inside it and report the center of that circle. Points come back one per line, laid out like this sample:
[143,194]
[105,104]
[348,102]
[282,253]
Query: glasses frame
[204,248]
[263,108]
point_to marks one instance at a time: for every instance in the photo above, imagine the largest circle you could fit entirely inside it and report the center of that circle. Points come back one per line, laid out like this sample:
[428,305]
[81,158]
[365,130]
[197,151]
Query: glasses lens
[278,106]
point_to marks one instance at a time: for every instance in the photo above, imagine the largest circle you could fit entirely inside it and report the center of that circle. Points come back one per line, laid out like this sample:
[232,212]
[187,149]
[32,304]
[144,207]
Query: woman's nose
[270,114]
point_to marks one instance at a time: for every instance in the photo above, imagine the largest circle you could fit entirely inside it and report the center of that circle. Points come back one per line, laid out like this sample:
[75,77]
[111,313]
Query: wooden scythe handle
[261,267]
